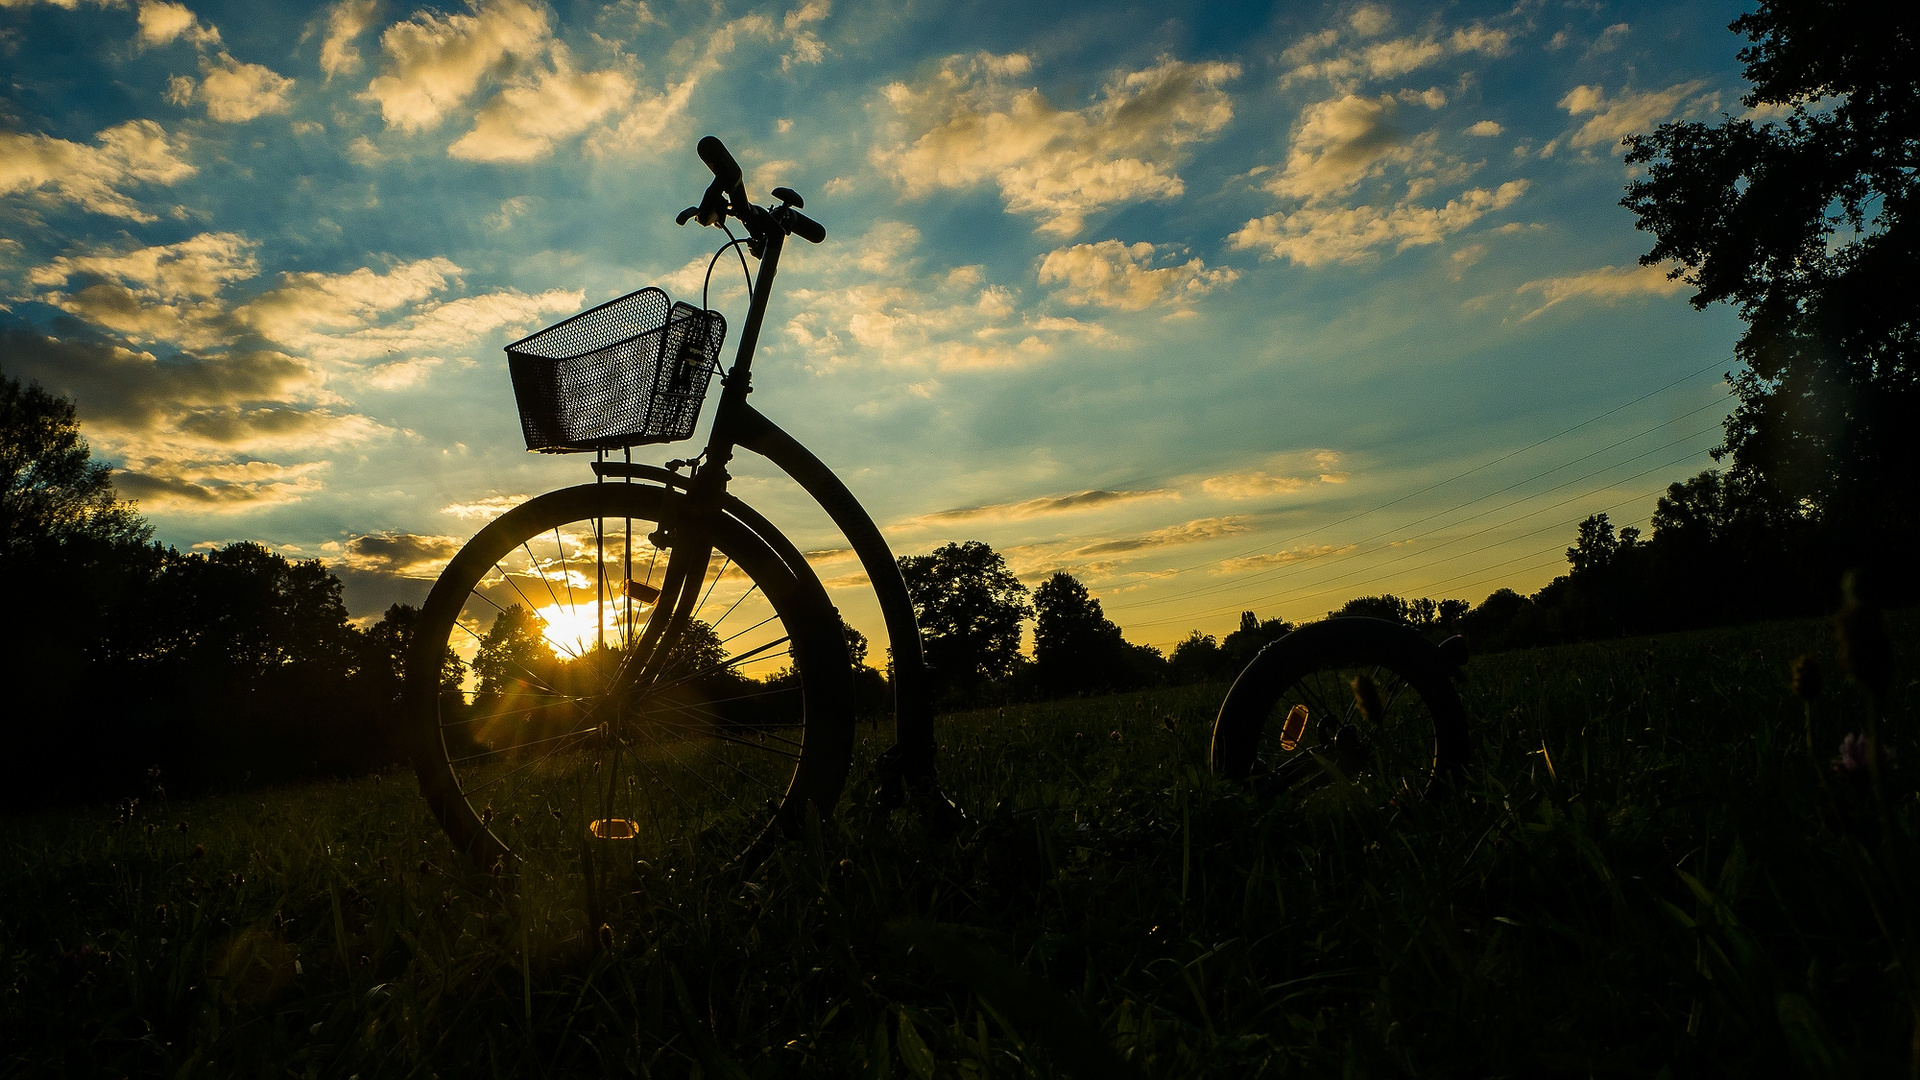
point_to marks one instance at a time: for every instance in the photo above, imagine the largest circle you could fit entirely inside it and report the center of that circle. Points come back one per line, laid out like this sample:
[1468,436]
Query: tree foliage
[1078,650]
[52,492]
[514,654]
[1805,224]
[970,608]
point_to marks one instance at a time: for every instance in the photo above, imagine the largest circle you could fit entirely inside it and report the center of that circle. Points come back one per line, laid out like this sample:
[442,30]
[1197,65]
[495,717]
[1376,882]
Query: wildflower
[605,937]
[1854,754]
[1114,735]
[1807,679]
[1167,722]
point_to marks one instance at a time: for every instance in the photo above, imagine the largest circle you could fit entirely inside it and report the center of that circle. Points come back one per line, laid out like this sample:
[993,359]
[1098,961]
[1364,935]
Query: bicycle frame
[737,424]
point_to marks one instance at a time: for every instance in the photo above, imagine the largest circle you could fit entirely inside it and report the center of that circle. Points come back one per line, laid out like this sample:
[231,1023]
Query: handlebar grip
[687,215]
[714,153]
[805,227]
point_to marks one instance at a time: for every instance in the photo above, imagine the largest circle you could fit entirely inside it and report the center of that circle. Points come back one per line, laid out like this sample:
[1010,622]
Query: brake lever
[714,204]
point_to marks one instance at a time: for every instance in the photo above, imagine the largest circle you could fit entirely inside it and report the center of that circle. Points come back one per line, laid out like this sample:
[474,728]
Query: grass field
[1644,873]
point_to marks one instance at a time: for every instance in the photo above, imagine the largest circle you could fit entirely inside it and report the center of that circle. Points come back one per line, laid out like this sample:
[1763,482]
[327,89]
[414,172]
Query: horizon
[1386,333]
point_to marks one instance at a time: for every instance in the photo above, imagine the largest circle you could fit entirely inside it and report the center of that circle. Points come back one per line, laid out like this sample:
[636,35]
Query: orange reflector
[1294,727]
[641,591]
[613,829]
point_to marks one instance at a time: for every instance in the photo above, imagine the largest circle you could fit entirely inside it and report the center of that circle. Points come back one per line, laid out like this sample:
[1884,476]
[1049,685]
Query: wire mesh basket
[631,371]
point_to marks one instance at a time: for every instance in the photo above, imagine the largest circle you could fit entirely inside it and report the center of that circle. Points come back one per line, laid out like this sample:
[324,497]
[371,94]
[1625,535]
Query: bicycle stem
[739,381]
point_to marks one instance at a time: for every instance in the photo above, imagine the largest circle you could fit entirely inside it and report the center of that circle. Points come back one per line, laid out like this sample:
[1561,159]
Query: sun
[571,630]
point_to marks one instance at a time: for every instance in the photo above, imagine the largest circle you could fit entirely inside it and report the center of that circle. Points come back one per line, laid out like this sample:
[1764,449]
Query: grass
[1645,874]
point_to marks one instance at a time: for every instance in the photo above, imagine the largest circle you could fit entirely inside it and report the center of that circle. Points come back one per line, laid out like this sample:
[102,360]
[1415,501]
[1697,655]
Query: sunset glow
[1217,307]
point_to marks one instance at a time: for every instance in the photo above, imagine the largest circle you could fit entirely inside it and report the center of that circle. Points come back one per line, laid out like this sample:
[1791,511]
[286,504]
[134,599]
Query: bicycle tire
[1409,738]
[499,735]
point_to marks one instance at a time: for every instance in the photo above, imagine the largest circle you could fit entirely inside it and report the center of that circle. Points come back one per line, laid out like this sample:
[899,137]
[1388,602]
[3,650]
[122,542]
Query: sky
[1218,307]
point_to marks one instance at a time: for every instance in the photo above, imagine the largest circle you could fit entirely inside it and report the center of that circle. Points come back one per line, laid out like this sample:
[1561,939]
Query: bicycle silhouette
[648,658]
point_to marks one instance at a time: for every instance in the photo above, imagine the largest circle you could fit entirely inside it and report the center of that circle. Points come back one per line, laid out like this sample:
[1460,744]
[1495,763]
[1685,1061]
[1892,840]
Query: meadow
[1653,870]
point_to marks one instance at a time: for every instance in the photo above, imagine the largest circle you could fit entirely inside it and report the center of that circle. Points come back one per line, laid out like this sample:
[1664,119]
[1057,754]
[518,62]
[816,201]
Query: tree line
[238,665]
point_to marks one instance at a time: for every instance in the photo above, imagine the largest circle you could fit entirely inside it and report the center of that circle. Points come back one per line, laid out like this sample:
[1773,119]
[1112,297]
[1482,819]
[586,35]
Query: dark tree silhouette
[1596,546]
[52,492]
[1197,658]
[1806,226]
[513,655]
[1076,648]
[970,608]
[382,664]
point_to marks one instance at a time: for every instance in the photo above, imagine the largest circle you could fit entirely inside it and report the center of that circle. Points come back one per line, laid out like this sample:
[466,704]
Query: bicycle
[663,723]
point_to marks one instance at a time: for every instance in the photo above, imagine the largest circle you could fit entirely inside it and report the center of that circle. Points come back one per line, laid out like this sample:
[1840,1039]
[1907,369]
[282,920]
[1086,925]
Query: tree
[383,655]
[513,653]
[970,608]
[52,492]
[1076,648]
[1386,606]
[1805,225]
[1197,659]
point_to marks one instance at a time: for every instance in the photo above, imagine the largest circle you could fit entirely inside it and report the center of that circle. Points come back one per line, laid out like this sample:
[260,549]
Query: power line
[1477,468]
[1327,587]
[1291,564]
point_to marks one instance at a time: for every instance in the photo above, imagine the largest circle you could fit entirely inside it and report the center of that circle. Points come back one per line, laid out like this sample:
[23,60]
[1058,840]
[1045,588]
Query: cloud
[1386,59]
[1317,234]
[162,23]
[516,207]
[872,299]
[255,485]
[1370,20]
[1030,508]
[136,152]
[190,430]
[1485,129]
[436,62]
[1284,475]
[448,326]
[1189,532]
[176,293]
[653,112]
[122,393]
[968,124]
[1270,559]
[483,509]
[1609,39]
[401,553]
[1608,284]
[798,23]
[1339,143]
[233,92]
[1115,275]
[306,305]
[161,293]
[532,113]
[346,21]
[1631,113]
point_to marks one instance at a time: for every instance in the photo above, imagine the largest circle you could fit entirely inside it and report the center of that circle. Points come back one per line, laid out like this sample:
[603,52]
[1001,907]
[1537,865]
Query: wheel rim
[538,737]
[1366,724]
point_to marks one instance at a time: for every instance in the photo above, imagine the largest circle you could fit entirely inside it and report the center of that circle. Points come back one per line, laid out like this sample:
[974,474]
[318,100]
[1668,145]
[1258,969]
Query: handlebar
[727,195]
[714,152]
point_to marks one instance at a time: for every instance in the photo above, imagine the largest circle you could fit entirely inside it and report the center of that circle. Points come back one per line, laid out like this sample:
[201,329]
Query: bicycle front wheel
[546,717]
[1365,701]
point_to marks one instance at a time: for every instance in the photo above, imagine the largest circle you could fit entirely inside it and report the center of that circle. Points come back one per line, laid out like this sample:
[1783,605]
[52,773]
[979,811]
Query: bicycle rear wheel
[1365,700]
[534,732]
